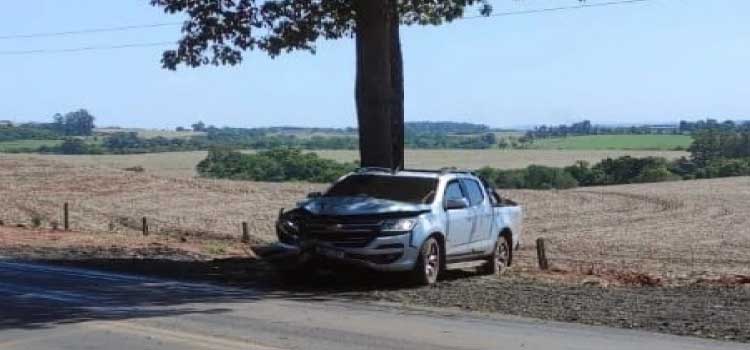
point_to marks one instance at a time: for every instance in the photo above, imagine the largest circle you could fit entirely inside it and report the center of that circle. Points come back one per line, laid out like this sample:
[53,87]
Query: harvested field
[103,199]
[632,234]
[672,231]
[183,164]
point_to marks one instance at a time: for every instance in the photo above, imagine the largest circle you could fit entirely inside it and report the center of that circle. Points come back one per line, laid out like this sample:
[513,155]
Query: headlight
[289,225]
[287,231]
[398,225]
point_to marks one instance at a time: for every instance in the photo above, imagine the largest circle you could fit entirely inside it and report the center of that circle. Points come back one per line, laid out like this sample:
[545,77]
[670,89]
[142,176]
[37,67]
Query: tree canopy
[218,31]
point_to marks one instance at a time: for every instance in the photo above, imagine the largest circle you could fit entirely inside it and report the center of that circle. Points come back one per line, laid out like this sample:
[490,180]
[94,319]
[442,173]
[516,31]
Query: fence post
[66,217]
[145,226]
[541,254]
[245,233]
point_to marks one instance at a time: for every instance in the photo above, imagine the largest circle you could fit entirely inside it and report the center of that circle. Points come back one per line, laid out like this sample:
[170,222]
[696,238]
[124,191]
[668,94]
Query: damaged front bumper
[386,253]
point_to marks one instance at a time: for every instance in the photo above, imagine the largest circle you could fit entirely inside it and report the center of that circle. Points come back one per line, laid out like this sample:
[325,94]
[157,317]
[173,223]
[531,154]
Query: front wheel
[499,261]
[428,265]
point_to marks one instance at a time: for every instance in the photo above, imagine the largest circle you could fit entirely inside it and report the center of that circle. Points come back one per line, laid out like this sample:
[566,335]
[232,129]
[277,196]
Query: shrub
[723,167]
[533,177]
[511,178]
[36,220]
[284,164]
[655,174]
[544,177]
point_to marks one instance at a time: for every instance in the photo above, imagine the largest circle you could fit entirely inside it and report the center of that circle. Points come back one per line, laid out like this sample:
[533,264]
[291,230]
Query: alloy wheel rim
[501,256]
[432,261]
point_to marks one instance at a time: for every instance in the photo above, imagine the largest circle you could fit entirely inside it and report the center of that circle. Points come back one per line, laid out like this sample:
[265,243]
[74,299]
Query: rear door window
[453,191]
[476,197]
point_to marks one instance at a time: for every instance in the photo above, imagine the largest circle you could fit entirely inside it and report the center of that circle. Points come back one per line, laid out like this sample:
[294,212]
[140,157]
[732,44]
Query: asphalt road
[46,307]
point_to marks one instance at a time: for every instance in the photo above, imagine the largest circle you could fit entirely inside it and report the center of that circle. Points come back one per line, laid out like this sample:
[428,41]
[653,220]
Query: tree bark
[379,84]
[397,83]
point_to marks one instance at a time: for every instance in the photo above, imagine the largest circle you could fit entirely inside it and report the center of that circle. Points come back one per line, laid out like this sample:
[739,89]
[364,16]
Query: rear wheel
[428,265]
[499,261]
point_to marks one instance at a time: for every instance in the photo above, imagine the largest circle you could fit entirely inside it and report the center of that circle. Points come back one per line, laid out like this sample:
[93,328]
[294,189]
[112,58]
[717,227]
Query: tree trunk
[379,84]
[397,83]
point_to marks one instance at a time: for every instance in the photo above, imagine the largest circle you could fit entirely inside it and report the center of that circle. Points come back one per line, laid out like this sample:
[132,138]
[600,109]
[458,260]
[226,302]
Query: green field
[615,142]
[11,146]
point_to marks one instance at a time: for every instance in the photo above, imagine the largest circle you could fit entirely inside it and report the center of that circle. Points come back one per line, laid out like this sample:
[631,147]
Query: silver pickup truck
[411,220]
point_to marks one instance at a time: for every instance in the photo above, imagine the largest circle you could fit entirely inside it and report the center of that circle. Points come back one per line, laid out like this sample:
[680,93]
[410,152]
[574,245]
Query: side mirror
[314,195]
[460,203]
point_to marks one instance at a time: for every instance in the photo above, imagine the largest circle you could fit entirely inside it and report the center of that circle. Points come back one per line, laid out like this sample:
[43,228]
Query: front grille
[345,233]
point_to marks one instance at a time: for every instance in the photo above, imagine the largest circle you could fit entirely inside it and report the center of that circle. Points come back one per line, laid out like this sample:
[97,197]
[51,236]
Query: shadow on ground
[42,293]
[699,310]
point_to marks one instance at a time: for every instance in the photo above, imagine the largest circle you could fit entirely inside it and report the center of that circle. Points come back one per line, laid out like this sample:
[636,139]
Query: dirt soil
[31,244]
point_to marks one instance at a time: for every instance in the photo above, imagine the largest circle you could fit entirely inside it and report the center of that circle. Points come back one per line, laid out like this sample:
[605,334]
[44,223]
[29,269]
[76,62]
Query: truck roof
[427,173]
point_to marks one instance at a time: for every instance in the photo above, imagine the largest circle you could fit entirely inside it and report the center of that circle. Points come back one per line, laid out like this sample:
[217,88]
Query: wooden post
[66,217]
[245,233]
[145,226]
[541,254]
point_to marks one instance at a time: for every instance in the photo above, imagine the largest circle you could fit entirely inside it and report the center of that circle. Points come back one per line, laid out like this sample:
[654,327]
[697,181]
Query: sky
[650,62]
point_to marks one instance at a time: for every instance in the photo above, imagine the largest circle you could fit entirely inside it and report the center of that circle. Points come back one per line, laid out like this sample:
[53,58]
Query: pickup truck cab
[408,220]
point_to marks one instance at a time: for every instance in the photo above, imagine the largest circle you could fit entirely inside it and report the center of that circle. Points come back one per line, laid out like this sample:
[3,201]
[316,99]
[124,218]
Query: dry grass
[183,164]
[687,229]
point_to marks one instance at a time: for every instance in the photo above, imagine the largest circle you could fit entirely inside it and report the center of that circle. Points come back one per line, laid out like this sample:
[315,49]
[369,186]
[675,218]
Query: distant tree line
[427,127]
[713,124]
[586,128]
[420,135]
[715,152]
[24,132]
[77,123]
[419,127]
[445,141]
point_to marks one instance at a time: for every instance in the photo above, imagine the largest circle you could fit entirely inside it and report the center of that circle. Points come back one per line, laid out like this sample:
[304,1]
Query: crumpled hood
[335,206]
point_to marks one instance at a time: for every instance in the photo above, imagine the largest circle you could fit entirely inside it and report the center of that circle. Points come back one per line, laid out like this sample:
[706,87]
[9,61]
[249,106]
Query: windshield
[413,190]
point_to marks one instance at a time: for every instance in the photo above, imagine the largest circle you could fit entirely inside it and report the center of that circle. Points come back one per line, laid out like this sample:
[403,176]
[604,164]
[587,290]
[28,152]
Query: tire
[500,259]
[429,264]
